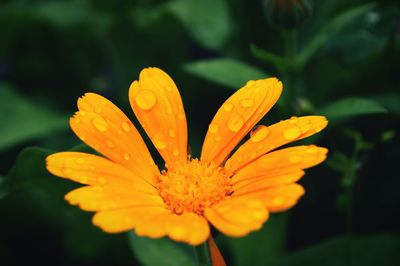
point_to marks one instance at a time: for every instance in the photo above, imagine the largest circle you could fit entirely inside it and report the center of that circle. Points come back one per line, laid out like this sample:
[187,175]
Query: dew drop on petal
[175,152]
[97,109]
[125,126]
[247,102]
[67,171]
[171,133]
[228,106]
[312,149]
[291,133]
[168,110]
[168,88]
[218,138]
[159,141]
[100,124]
[293,120]
[181,116]
[110,144]
[102,180]
[295,159]
[213,128]
[80,161]
[235,123]
[259,133]
[250,83]
[83,179]
[145,99]
[127,156]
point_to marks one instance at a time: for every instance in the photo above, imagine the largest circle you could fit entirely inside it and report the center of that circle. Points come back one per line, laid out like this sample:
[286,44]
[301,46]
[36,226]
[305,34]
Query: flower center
[193,186]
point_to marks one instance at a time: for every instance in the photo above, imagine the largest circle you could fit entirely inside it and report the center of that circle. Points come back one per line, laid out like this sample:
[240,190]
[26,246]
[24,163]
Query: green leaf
[158,252]
[349,107]
[24,120]
[278,61]
[335,25]
[264,247]
[208,21]
[357,251]
[225,71]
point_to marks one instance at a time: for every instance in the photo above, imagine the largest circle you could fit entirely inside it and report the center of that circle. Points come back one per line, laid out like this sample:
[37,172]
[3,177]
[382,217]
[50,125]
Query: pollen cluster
[193,186]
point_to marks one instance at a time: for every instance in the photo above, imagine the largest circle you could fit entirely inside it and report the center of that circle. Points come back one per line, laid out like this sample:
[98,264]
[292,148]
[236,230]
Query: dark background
[342,60]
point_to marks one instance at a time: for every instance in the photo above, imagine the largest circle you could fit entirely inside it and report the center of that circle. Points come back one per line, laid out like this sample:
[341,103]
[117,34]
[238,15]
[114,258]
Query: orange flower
[127,191]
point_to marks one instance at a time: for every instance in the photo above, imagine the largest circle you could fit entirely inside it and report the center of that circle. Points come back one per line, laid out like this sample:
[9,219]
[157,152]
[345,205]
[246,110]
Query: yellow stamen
[193,186]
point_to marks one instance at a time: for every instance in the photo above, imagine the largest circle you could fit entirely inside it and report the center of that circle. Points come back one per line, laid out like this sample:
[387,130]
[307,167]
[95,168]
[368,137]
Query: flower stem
[203,257]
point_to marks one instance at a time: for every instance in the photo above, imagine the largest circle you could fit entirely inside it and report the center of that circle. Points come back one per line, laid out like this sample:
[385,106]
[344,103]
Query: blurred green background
[340,59]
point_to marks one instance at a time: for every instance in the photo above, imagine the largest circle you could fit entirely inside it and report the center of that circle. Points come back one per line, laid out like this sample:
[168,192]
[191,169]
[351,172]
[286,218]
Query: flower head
[233,190]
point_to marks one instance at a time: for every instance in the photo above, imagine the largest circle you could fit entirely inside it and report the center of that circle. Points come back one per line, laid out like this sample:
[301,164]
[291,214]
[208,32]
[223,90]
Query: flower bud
[287,14]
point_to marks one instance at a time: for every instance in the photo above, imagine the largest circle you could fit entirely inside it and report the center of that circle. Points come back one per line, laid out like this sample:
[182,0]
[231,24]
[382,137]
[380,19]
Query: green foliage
[266,246]
[337,24]
[350,107]
[208,21]
[348,250]
[158,252]
[23,119]
[344,60]
[225,71]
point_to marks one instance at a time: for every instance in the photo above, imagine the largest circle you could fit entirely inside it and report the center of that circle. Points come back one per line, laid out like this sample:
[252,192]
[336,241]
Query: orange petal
[94,170]
[157,104]
[282,161]
[188,227]
[237,217]
[269,138]
[104,127]
[276,199]
[95,198]
[120,220]
[216,256]
[237,116]
[253,184]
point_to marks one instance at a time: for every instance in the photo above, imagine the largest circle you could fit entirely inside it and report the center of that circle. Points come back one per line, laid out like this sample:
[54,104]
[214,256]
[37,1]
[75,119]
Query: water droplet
[181,116]
[228,106]
[97,109]
[295,159]
[80,161]
[291,133]
[169,110]
[168,88]
[119,132]
[67,171]
[312,149]
[102,180]
[83,179]
[171,133]
[110,144]
[159,141]
[213,128]
[250,83]
[127,156]
[77,120]
[278,201]
[175,152]
[92,167]
[82,113]
[235,123]
[259,133]
[218,138]
[146,99]
[304,128]
[247,102]
[125,126]
[293,120]
[100,124]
